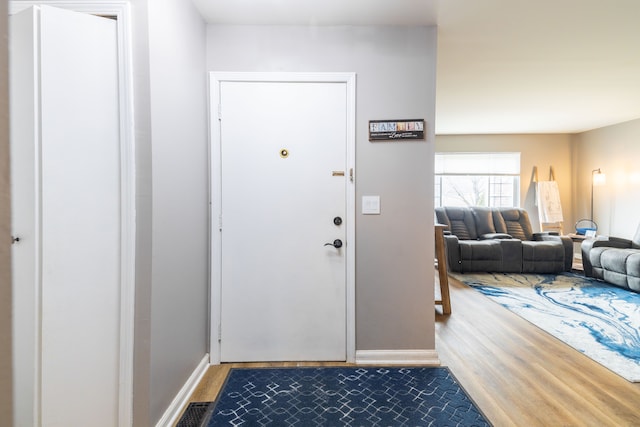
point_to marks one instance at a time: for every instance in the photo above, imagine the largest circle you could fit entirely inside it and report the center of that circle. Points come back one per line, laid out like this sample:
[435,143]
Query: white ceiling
[504,66]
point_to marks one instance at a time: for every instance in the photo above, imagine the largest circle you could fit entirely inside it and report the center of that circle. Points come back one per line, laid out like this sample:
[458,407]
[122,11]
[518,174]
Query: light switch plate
[371,205]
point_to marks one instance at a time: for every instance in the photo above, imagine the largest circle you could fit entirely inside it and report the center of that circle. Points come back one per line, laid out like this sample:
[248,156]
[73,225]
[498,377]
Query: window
[477,179]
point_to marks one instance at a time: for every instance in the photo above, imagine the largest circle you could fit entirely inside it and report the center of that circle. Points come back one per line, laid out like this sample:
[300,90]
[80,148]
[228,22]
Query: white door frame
[121,11]
[215,79]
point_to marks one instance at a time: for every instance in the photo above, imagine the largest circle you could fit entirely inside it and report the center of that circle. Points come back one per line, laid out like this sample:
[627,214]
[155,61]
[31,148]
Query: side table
[577,255]
[441,263]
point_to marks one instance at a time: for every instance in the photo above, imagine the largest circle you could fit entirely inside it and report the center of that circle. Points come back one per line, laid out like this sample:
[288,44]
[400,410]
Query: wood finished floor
[517,374]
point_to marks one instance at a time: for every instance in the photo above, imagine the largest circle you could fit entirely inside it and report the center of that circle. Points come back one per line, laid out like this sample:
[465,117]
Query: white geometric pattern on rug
[602,321]
[344,396]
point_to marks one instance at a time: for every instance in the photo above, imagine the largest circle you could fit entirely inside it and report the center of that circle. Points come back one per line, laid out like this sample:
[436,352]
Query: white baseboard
[397,357]
[174,410]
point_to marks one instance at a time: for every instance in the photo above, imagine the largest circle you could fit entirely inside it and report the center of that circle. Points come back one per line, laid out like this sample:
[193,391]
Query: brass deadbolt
[284,153]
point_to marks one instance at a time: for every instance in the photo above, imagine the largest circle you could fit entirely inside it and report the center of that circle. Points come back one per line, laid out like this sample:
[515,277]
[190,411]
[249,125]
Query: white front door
[65,147]
[283,228]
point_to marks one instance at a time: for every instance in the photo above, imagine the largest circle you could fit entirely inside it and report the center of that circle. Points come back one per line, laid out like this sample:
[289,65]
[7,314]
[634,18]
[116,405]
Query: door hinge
[220,222]
[220,333]
[219,111]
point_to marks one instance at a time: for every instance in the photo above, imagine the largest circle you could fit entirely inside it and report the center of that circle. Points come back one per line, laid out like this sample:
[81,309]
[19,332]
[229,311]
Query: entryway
[282,217]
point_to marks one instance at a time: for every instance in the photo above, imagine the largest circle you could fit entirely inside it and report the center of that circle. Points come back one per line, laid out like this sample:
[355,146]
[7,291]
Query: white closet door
[67,181]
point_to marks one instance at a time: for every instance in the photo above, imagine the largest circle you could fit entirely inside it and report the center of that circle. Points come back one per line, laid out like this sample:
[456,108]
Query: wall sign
[396,130]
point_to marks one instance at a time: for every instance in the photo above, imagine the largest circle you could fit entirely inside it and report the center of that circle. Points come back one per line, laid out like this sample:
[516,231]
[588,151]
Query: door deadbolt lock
[337,220]
[336,244]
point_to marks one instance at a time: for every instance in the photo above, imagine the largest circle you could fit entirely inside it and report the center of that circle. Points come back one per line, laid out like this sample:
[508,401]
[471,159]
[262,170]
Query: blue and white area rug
[602,321]
[347,396]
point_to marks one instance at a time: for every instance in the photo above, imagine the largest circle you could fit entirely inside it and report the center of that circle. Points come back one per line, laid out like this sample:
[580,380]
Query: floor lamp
[597,178]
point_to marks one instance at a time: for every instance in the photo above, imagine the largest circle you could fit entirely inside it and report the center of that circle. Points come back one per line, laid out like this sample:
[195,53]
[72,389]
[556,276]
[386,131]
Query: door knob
[336,244]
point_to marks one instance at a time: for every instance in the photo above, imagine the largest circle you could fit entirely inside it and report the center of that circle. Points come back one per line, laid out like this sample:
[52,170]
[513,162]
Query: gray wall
[395,68]
[6,391]
[179,181]
[142,113]
[171,307]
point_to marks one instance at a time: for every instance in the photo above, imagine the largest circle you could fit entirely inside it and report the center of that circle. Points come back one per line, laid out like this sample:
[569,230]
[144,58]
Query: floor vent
[194,415]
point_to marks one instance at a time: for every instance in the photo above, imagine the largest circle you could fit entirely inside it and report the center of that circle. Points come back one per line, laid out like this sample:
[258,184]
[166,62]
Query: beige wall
[616,150]
[6,395]
[536,150]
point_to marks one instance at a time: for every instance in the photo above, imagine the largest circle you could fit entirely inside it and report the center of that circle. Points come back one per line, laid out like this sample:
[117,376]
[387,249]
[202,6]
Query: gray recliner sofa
[481,239]
[615,260]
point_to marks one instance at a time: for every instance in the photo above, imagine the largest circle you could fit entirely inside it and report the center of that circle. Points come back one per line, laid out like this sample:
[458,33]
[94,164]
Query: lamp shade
[599,178]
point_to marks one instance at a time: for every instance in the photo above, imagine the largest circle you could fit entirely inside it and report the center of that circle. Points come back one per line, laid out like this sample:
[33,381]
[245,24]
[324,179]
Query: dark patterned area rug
[416,396]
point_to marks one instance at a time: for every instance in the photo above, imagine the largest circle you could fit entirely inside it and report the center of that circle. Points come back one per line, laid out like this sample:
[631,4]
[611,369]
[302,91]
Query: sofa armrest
[588,244]
[545,233]
[614,242]
[610,242]
[495,236]
[452,248]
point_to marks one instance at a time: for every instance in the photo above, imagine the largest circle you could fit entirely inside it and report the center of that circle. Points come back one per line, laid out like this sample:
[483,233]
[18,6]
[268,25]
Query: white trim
[215,78]
[351,217]
[397,357]
[115,8]
[128,216]
[181,400]
[119,9]
[215,215]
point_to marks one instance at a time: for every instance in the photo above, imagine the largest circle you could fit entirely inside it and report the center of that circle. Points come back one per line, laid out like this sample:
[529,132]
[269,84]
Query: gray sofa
[614,260]
[481,239]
